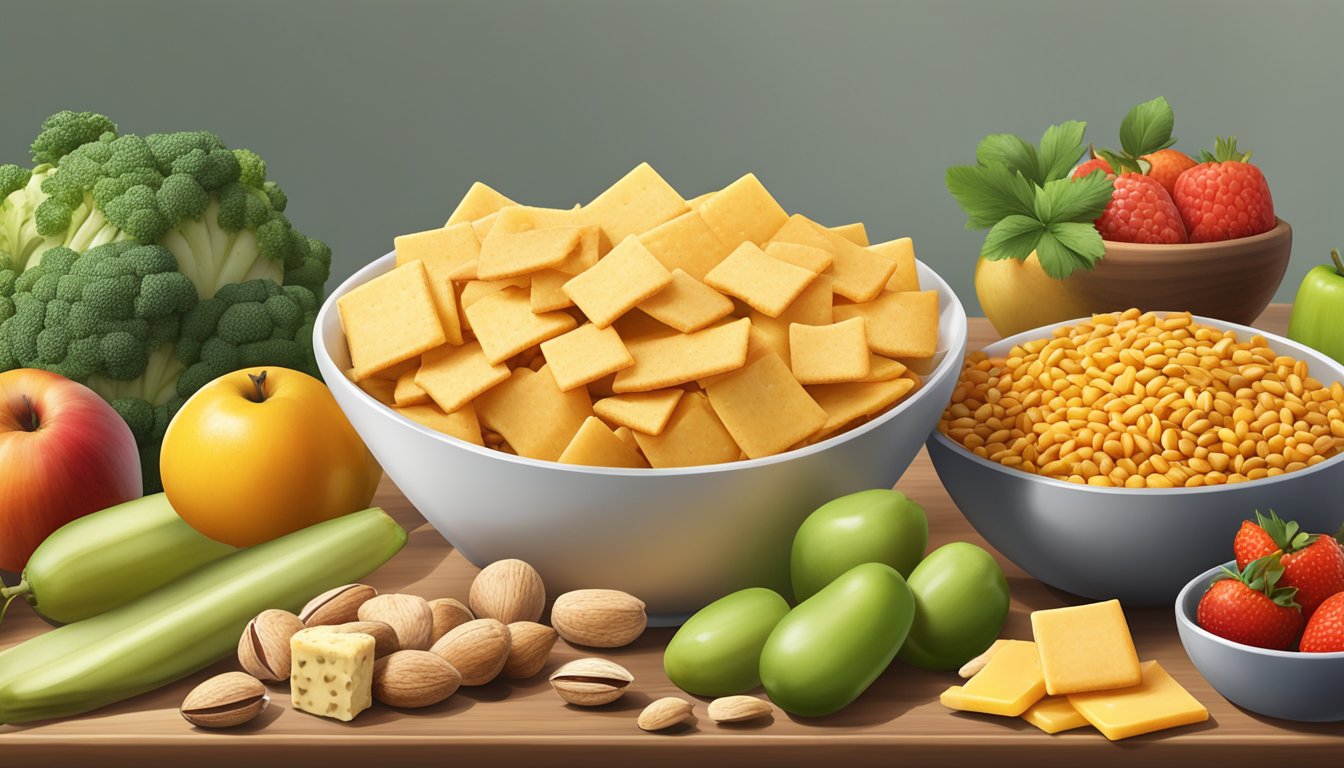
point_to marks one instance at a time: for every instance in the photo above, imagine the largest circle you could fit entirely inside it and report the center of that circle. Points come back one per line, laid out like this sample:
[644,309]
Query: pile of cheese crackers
[641,330]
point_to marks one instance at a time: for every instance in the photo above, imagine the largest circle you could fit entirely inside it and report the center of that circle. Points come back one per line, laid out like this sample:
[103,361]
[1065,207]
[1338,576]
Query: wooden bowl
[1232,280]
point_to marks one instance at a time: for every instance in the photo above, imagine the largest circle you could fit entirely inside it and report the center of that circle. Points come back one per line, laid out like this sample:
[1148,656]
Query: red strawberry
[1140,211]
[1311,563]
[1092,165]
[1224,197]
[1325,631]
[1166,165]
[1247,607]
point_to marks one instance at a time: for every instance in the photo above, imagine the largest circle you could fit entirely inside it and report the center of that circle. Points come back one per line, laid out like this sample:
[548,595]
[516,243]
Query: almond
[600,618]
[414,679]
[591,682]
[478,649]
[735,709]
[384,636]
[336,606]
[224,701]
[665,713]
[508,591]
[263,649]
[530,646]
[409,616]
[448,614]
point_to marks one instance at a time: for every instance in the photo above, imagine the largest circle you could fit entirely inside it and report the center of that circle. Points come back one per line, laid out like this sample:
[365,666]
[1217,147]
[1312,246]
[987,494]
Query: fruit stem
[1339,265]
[260,383]
[10,593]
[33,421]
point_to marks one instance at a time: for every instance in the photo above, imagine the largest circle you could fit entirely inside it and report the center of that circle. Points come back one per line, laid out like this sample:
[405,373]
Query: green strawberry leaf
[1009,151]
[1014,237]
[1082,240]
[1287,536]
[1061,148]
[1077,200]
[1263,574]
[989,194]
[1224,150]
[1147,128]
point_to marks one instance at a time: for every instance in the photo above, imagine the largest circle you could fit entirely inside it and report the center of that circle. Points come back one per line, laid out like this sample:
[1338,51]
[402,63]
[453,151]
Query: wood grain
[898,720]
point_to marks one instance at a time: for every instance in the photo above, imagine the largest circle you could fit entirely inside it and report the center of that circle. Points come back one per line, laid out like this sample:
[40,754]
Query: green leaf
[988,194]
[1012,238]
[1147,128]
[1061,147]
[1082,240]
[1120,162]
[1057,258]
[1010,151]
[1082,200]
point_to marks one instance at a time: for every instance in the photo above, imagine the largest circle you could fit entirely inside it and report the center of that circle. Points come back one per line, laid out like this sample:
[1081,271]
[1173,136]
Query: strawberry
[1224,197]
[1140,211]
[1325,630]
[1166,165]
[1246,606]
[1311,563]
[1095,163]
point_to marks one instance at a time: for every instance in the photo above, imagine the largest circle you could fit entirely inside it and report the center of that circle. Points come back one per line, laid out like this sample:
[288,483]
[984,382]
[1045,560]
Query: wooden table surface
[506,723]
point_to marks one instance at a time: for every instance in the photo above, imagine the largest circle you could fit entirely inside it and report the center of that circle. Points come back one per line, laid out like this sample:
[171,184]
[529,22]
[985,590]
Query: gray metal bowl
[1137,545]
[1285,684]
[676,538]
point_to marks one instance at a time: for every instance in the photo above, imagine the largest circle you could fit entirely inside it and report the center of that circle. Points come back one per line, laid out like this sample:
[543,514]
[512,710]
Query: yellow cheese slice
[1155,704]
[1054,714]
[1008,685]
[1085,648]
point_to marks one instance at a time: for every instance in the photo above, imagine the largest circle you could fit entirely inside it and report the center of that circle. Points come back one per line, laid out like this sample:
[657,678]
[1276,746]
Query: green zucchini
[100,561]
[186,625]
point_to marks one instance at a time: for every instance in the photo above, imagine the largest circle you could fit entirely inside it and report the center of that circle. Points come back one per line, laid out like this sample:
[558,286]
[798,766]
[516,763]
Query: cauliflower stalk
[145,267]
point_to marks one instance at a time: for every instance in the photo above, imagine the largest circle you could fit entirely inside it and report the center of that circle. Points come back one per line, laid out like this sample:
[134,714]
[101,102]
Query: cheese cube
[1008,685]
[1085,648]
[1054,714]
[331,672]
[1155,704]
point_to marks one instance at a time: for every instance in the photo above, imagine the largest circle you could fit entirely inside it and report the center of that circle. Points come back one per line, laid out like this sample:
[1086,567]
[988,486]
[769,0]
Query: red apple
[63,454]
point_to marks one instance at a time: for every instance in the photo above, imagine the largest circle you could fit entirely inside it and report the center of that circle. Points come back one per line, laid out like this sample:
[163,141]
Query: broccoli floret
[65,131]
[247,324]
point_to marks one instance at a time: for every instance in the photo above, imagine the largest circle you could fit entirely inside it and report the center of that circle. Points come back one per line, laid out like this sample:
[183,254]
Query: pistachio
[591,682]
[600,618]
[508,591]
[263,649]
[735,709]
[336,606]
[409,616]
[224,701]
[478,649]
[414,679]
[384,637]
[530,646]
[448,614]
[665,713]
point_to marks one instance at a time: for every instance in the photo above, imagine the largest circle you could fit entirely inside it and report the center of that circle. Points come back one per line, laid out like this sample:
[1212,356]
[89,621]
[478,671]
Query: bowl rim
[950,365]
[1044,331]
[1202,582]
[1214,249]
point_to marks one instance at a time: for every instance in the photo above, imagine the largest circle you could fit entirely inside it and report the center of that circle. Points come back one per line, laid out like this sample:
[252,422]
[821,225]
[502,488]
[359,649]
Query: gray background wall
[376,116]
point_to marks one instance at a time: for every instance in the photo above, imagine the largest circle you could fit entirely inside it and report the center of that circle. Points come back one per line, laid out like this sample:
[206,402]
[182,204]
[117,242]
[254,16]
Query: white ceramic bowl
[1137,545]
[1283,684]
[676,538]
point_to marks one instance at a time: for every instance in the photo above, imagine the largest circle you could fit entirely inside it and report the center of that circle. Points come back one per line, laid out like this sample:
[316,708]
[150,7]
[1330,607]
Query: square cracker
[762,281]
[596,445]
[743,211]
[389,319]
[768,333]
[694,436]
[638,202]
[394,372]
[441,251]
[585,354]
[901,251]
[829,354]
[453,376]
[884,369]
[686,243]
[855,233]
[548,293]
[638,324]
[479,202]
[621,279]
[505,325]
[507,254]
[764,407]
[699,200]
[688,304]
[461,423]
[408,392]
[898,324]
[382,390]
[859,273]
[844,403]
[521,218]
[585,255]
[645,412]
[677,358]
[473,291]
[812,307]
[533,415]
[805,256]
[484,224]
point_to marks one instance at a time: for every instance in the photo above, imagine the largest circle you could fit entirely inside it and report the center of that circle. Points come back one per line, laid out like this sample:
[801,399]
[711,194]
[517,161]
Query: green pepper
[1318,311]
